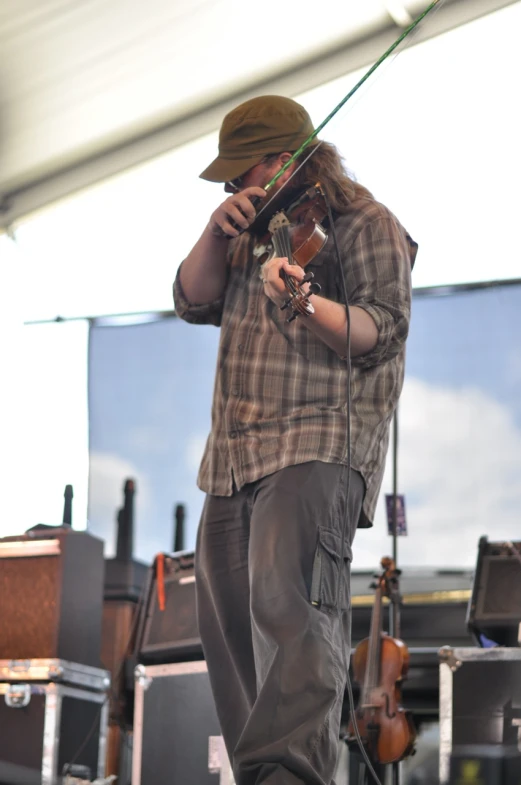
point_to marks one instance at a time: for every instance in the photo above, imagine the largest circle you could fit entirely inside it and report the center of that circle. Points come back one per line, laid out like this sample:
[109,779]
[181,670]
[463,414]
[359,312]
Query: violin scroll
[299,299]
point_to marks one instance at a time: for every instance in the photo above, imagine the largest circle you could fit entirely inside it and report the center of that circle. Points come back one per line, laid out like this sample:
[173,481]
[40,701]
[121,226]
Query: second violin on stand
[380,663]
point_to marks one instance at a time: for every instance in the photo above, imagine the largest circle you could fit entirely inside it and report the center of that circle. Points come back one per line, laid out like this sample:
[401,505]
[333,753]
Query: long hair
[327,167]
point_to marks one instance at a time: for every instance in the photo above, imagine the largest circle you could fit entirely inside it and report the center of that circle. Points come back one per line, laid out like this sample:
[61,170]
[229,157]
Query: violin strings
[282,246]
[286,244]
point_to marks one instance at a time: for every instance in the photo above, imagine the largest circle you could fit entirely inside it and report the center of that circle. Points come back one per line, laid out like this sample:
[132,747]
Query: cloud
[459,466]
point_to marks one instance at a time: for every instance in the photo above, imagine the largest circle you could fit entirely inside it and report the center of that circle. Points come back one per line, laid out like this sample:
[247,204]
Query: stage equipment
[176,732]
[123,589]
[489,765]
[124,579]
[48,707]
[167,630]
[179,527]
[68,496]
[124,575]
[480,700]
[51,590]
[494,609]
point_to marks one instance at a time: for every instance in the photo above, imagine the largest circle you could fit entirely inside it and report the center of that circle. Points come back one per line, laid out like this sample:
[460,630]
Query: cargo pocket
[327,568]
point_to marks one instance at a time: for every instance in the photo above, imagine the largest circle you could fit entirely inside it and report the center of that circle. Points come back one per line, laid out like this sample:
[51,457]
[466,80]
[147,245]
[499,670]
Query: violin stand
[358,773]
[395,596]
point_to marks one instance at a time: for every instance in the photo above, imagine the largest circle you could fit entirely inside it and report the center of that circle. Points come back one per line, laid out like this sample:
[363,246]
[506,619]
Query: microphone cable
[345,582]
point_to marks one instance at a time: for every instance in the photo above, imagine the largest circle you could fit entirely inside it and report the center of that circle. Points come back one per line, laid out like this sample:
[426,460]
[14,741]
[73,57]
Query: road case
[177,738]
[480,700]
[52,713]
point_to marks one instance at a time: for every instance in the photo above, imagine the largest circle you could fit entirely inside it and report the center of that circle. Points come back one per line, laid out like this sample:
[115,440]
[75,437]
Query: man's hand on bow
[238,209]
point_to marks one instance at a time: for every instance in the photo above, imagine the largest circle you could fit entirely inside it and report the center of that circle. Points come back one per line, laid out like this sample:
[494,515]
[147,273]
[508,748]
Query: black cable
[95,724]
[111,694]
[346,517]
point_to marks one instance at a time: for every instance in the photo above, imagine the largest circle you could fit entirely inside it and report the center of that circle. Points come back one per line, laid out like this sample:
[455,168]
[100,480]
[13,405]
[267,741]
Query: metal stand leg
[359,774]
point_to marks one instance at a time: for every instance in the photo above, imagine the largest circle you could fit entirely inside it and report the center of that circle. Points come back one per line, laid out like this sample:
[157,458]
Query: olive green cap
[258,127]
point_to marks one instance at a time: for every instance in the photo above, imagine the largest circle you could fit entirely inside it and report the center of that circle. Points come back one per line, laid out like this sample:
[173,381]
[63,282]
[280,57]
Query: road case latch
[141,678]
[446,654]
[18,696]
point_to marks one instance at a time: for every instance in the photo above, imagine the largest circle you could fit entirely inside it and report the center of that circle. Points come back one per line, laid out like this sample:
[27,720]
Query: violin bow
[346,98]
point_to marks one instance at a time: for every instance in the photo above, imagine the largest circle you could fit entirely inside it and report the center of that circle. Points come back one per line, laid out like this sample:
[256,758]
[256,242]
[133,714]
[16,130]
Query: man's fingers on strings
[294,270]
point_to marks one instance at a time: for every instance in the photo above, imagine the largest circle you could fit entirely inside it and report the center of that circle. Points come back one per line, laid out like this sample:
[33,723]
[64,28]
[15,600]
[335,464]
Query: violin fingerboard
[282,243]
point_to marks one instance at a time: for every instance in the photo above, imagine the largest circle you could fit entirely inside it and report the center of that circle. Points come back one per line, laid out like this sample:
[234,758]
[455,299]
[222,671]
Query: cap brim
[222,170]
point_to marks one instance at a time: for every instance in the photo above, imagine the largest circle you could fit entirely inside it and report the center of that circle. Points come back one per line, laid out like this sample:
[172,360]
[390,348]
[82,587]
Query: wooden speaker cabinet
[51,596]
[124,578]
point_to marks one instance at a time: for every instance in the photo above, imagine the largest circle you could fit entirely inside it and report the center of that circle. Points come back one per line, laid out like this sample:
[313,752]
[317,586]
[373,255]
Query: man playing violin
[282,505]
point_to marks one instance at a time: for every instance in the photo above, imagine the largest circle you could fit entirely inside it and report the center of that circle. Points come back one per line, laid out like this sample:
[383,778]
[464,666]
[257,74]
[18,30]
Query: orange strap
[160,576]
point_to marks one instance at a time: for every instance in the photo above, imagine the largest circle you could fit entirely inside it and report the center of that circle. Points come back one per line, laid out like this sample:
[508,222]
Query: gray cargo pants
[267,569]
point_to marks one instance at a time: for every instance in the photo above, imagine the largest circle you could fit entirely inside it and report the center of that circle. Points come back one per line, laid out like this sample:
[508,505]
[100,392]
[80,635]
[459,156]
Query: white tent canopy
[89,88]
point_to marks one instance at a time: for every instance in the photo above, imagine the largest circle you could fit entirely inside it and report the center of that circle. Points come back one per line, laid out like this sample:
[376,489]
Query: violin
[380,663]
[296,232]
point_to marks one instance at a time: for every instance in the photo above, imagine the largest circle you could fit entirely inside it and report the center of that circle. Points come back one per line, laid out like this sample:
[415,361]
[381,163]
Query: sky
[150,397]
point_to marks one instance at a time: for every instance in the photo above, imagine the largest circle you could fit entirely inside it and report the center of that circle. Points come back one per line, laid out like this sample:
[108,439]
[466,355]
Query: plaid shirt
[280,392]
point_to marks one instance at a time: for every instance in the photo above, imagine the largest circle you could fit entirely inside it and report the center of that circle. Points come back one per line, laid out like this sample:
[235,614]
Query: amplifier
[167,630]
[495,605]
[51,595]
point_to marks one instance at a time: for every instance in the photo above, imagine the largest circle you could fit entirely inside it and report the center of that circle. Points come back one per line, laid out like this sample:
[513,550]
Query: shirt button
[235,392]
[233,434]
[240,346]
